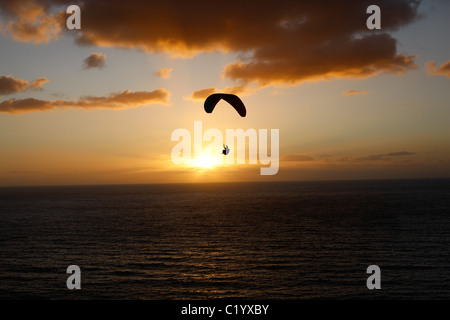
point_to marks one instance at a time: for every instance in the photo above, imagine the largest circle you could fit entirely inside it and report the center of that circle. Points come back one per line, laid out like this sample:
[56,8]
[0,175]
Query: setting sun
[205,161]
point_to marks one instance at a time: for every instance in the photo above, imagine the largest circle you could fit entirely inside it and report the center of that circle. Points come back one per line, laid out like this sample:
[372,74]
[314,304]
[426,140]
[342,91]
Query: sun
[205,161]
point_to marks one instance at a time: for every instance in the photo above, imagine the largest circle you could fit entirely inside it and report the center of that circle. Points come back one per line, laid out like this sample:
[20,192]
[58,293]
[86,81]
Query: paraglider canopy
[233,100]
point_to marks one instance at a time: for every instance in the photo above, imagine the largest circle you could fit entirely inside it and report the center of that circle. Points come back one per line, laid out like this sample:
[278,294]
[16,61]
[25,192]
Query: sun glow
[205,161]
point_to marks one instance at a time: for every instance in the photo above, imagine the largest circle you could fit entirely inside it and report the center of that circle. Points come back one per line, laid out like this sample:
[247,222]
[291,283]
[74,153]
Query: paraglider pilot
[225,150]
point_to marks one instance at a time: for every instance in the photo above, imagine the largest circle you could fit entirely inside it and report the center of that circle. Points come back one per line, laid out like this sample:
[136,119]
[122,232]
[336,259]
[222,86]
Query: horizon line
[226,182]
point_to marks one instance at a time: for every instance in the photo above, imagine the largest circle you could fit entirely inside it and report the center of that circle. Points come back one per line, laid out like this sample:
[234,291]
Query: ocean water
[286,240]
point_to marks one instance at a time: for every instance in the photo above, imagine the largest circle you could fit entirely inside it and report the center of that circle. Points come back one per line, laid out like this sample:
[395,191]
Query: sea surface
[286,240]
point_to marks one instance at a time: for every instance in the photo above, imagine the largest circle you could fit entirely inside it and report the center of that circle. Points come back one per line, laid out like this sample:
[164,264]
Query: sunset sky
[99,105]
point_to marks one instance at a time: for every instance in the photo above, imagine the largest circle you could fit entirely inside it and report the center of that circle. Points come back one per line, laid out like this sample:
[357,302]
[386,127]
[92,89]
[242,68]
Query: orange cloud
[164,73]
[9,85]
[281,42]
[31,20]
[202,94]
[95,60]
[39,83]
[354,92]
[123,100]
[443,69]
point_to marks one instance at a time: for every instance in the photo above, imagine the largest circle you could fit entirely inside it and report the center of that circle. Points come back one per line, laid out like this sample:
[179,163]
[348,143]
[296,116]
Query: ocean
[274,240]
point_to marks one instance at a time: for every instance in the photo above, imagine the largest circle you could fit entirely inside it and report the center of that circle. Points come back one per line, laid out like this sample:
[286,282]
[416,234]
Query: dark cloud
[123,100]
[95,60]
[280,42]
[400,153]
[373,157]
[9,84]
[442,70]
[385,156]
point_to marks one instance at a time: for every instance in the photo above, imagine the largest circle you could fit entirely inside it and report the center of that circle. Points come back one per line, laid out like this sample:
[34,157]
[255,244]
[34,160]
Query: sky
[98,105]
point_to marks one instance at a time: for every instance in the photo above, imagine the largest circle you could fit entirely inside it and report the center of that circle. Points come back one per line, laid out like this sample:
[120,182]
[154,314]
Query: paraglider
[233,100]
[225,150]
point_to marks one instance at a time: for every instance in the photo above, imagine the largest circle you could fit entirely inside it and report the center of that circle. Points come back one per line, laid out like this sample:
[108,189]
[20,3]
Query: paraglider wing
[232,99]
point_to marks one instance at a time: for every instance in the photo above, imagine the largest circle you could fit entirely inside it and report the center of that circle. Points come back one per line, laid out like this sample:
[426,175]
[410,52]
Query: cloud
[241,90]
[95,60]
[164,73]
[202,94]
[39,83]
[123,100]
[443,69]
[277,42]
[348,92]
[10,85]
[297,157]
[400,153]
[335,58]
[31,20]
[369,158]
[384,156]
